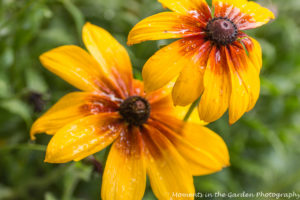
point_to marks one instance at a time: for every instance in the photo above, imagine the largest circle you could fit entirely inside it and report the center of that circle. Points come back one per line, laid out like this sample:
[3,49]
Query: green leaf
[17,107]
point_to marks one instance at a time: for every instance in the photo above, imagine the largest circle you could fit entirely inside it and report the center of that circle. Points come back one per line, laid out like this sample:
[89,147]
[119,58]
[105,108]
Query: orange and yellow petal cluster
[82,123]
[224,76]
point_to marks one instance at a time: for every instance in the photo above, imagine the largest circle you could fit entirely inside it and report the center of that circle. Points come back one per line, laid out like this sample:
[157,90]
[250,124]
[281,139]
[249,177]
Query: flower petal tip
[233,121]
[32,137]
[33,131]
[177,101]
[47,159]
[52,159]
[43,57]
[228,164]
[87,25]
[129,43]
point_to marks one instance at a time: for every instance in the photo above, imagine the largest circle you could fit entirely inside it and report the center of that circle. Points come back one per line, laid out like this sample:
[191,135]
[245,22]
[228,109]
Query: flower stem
[31,147]
[191,109]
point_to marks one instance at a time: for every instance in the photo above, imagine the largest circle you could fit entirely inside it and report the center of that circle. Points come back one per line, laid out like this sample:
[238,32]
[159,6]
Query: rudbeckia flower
[145,130]
[214,59]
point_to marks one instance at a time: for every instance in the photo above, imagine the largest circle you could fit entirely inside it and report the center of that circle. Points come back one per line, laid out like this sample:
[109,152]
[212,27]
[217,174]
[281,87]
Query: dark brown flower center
[221,31]
[135,110]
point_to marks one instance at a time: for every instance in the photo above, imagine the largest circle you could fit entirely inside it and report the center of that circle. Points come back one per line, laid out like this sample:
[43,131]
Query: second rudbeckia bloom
[214,59]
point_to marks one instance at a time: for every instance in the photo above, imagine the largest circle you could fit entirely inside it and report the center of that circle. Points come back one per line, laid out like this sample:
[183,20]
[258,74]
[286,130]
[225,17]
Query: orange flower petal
[164,25]
[195,8]
[190,80]
[167,63]
[165,105]
[158,96]
[138,88]
[161,103]
[167,170]
[203,150]
[215,99]
[62,113]
[83,137]
[110,54]
[244,80]
[254,51]
[124,176]
[246,15]
[75,66]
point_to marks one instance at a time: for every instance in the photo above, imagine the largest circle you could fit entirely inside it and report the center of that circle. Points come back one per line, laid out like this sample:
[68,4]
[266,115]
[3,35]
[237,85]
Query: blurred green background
[264,144]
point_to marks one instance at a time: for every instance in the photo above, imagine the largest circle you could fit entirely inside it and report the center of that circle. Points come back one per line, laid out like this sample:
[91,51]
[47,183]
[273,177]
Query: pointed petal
[244,80]
[62,113]
[204,151]
[195,8]
[83,137]
[168,172]
[164,25]
[245,14]
[75,66]
[215,99]
[190,80]
[124,176]
[168,62]
[110,54]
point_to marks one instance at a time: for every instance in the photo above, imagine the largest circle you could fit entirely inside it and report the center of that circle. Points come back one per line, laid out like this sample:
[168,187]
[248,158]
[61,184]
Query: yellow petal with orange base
[254,51]
[215,99]
[74,65]
[245,14]
[64,112]
[244,80]
[189,85]
[167,170]
[167,63]
[164,25]
[239,99]
[124,176]
[110,54]
[83,137]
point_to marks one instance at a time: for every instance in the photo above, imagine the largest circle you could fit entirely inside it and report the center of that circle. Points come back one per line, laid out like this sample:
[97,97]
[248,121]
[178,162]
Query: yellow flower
[211,59]
[145,130]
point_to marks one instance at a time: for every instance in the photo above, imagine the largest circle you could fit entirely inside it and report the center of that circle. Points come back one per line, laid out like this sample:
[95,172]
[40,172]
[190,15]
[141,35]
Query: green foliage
[264,144]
